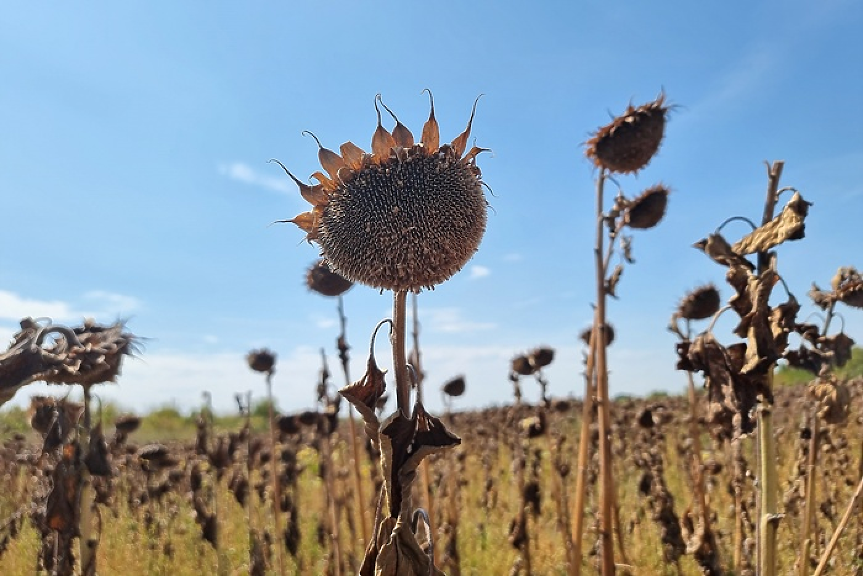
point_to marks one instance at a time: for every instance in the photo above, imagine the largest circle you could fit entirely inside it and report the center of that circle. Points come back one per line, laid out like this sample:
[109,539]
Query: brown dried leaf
[364,395]
[612,281]
[404,443]
[719,250]
[789,225]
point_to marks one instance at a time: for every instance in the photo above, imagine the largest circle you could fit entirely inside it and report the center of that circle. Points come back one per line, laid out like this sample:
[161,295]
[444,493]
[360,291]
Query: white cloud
[477,271]
[15,307]
[513,257]
[246,174]
[95,304]
[108,302]
[325,323]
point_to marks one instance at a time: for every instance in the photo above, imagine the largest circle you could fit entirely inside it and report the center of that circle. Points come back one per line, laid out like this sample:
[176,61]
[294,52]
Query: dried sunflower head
[647,210]
[262,360]
[406,216]
[701,303]
[629,142]
[324,281]
[454,387]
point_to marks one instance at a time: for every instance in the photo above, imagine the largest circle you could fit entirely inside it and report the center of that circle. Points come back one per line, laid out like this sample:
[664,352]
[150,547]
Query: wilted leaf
[719,250]
[611,281]
[364,395]
[788,225]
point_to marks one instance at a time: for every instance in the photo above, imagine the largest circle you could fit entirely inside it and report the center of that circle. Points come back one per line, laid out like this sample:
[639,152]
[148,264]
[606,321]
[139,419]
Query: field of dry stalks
[504,494]
[740,476]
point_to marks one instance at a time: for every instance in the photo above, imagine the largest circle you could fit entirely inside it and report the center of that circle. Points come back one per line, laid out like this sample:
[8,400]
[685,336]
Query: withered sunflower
[628,143]
[406,216]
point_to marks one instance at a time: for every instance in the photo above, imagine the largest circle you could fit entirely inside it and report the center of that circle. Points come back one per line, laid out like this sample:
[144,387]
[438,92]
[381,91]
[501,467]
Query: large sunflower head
[406,216]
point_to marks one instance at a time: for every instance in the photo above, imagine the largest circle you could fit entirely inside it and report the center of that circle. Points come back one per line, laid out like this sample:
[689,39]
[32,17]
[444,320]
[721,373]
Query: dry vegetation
[742,476]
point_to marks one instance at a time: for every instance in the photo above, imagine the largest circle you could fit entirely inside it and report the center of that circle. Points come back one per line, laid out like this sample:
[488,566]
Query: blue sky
[134,140]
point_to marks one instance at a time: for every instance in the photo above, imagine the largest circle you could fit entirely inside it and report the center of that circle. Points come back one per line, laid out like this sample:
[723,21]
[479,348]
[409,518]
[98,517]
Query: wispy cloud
[452,321]
[513,257]
[477,271]
[246,174]
[115,303]
[742,79]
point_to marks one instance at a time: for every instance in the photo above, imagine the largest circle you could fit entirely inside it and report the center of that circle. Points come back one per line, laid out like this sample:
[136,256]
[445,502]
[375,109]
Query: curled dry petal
[352,155]
[459,145]
[431,131]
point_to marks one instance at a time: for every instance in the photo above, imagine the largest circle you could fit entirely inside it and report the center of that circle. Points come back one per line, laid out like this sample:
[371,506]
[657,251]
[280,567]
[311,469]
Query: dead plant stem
[276,481]
[768,509]
[424,465]
[604,413]
[355,449]
[825,557]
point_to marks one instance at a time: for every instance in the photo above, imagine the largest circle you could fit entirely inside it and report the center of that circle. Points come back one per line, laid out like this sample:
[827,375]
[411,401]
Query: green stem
[403,385]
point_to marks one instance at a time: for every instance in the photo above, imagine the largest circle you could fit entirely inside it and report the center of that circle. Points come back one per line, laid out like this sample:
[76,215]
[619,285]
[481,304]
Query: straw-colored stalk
[583,455]
[330,502]
[769,483]
[355,447]
[825,557]
[809,506]
[424,465]
[606,493]
[276,483]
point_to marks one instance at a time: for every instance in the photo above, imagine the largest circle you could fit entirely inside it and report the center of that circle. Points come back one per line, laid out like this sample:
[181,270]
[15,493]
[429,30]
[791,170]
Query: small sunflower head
[406,216]
[631,140]
[454,387]
[701,303]
[648,209]
[262,360]
[320,279]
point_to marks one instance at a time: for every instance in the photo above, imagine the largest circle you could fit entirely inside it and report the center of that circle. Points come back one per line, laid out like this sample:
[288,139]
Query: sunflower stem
[604,412]
[274,473]
[397,338]
[768,517]
[424,465]
[342,344]
[583,455]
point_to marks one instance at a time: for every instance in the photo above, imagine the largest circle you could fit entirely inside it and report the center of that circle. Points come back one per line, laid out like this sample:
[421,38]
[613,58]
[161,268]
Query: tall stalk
[355,450]
[424,466]
[87,541]
[769,482]
[606,498]
[583,456]
[276,480]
